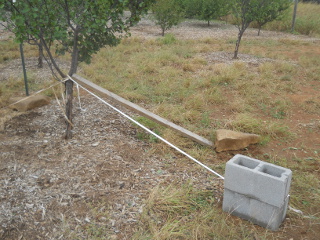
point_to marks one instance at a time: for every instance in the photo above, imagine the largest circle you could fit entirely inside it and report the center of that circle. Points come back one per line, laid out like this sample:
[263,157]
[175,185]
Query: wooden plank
[134,107]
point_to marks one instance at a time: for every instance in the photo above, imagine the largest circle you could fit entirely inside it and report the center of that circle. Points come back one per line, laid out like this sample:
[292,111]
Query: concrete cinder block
[253,210]
[257,179]
[256,191]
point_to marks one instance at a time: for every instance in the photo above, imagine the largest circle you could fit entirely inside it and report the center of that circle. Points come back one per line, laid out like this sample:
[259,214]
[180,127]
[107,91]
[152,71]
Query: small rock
[121,185]
[113,222]
[28,103]
[118,206]
[131,220]
[230,140]
[141,209]
[95,144]
[29,205]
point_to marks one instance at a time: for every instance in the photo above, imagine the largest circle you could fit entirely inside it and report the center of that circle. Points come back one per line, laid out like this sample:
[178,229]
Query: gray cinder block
[256,191]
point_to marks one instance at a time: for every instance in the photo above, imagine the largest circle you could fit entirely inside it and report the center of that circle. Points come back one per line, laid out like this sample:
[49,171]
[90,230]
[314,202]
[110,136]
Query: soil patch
[47,181]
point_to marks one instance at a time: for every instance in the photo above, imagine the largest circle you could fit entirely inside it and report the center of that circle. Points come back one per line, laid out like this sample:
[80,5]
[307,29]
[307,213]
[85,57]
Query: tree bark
[162,33]
[69,85]
[51,58]
[235,56]
[242,29]
[75,55]
[40,58]
[69,97]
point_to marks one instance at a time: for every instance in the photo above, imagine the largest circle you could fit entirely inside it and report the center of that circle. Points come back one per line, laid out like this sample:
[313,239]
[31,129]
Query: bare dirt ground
[47,180]
[57,189]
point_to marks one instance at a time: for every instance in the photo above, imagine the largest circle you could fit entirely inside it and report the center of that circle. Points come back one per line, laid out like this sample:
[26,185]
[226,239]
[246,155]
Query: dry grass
[176,80]
[185,213]
[6,115]
[178,83]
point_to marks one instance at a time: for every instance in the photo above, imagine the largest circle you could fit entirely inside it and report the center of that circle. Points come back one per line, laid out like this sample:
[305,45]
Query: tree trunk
[69,97]
[69,86]
[40,58]
[241,31]
[259,30]
[68,83]
[162,33]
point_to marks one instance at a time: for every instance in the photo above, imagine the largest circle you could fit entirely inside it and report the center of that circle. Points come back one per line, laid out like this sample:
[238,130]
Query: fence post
[24,70]
[294,15]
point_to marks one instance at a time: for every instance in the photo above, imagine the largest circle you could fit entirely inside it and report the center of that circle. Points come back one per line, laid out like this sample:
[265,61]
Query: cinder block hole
[246,162]
[273,171]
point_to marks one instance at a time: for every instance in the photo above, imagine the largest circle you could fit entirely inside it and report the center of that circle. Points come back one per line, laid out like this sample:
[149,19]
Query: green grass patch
[153,126]
[167,39]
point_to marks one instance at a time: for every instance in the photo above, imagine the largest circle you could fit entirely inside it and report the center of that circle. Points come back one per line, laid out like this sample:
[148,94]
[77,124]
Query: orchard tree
[167,13]
[192,8]
[246,12]
[213,9]
[138,8]
[271,11]
[10,26]
[75,27]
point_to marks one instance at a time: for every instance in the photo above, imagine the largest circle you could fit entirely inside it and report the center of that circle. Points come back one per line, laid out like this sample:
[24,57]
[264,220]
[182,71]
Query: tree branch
[68,15]
[51,57]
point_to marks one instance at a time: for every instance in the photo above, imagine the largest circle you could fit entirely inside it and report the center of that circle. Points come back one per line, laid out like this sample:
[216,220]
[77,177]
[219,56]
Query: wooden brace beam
[134,107]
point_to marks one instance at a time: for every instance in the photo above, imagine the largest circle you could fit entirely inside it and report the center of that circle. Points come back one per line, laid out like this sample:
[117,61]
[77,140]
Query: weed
[143,135]
[167,39]
[215,96]
[205,120]
[279,114]
[286,78]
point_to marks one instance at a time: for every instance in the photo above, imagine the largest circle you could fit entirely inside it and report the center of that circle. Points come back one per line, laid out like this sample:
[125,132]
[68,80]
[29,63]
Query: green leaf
[95,23]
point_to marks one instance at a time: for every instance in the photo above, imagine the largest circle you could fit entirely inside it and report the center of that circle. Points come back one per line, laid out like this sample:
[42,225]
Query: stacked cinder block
[256,191]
